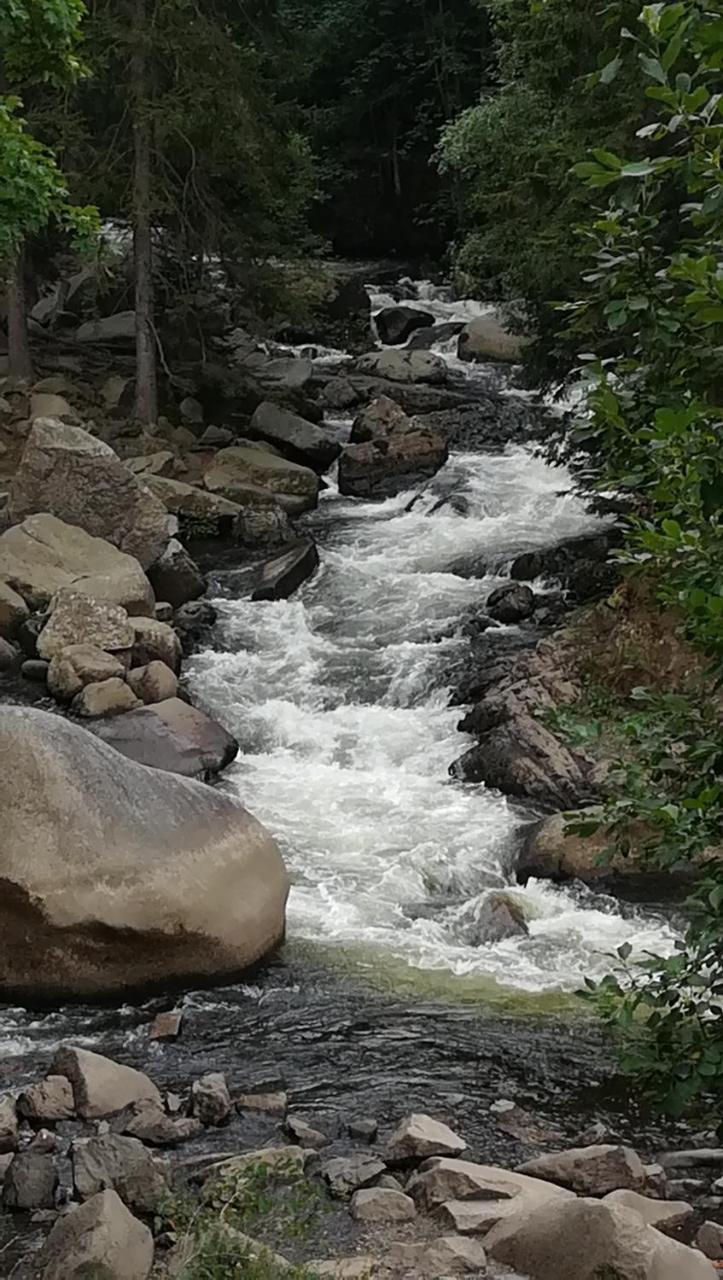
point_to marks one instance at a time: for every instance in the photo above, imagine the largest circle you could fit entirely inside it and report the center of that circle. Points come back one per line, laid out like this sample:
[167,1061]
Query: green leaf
[653,68]
[610,70]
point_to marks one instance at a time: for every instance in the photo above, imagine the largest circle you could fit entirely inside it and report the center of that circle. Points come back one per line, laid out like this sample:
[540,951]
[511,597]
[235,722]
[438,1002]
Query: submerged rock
[511,603]
[118,877]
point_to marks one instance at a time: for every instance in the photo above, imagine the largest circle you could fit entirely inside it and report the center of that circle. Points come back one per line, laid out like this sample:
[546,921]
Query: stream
[385,995]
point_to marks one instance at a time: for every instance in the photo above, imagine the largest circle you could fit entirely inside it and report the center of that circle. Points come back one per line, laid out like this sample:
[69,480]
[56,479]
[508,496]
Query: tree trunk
[146,402]
[20,359]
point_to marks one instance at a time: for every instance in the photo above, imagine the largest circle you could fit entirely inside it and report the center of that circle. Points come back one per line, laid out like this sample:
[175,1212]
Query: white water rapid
[339,698]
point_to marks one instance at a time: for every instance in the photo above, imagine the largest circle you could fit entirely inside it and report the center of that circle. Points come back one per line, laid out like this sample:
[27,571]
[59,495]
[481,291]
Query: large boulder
[297,439]
[591,1171]
[440,1181]
[404,366]
[118,877]
[395,324]
[383,467]
[43,554]
[522,758]
[101,1087]
[78,619]
[118,330]
[233,470]
[172,736]
[101,1238]
[589,1240]
[79,479]
[488,338]
[550,850]
[199,512]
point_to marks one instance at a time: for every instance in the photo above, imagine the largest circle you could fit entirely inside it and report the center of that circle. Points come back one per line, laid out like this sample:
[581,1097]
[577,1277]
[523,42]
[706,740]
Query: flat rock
[442,1180]
[43,555]
[419,1137]
[281,577]
[379,1204]
[665,1215]
[359,1268]
[166,1026]
[172,736]
[48,1101]
[118,877]
[587,1240]
[404,366]
[100,1237]
[346,1174]
[273,1104]
[76,477]
[200,513]
[234,470]
[591,1171]
[382,467]
[121,1164]
[443,1256]
[101,1086]
[285,1158]
[116,330]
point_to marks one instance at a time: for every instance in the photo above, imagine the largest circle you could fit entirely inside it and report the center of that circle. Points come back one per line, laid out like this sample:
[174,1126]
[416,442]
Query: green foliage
[654,311]
[218,1239]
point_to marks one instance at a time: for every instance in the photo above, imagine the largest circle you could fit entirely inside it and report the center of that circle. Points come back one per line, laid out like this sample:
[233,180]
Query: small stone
[419,1137]
[9,1138]
[656,1182]
[346,1174]
[174,1104]
[590,1171]
[166,1026]
[305,1135]
[595,1133]
[211,1099]
[30,1181]
[665,1215]
[45,1141]
[379,1204]
[155,641]
[105,698]
[150,1124]
[153,683]
[164,612]
[445,1256]
[710,1240]
[273,1103]
[35,669]
[503,1106]
[367,1130]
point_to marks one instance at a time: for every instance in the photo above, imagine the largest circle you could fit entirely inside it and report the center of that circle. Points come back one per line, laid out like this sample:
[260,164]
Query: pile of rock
[388,452]
[81,1154]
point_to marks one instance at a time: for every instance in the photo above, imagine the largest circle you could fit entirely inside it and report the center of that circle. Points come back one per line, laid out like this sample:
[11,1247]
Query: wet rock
[77,665]
[425,339]
[76,477]
[175,577]
[419,1137]
[9,1137]
[346,1174]
[211,1099]
[521,757]
[511,603]
[443,1256]
[30,1181]
[155,641]
[105,698]
[493,918]
[667,1216]
[404,366]
[395,324]
[166,1026]
[378,420]
[281,577]
[193,622]
[383,467]
[101,1086]
[306,1136]
[587,1239]
[172,736]
[121,1164]
[274,1104]
[441,1181]
[581,565]
[99,1238]
[367,1130]
[709,1240]
[301,441]
[35,669]
[234,471]
[591,1171]
[488,338]
[48,1101]
[42,556]
[153,683]
[13,612]
[77,619]
[378,1204]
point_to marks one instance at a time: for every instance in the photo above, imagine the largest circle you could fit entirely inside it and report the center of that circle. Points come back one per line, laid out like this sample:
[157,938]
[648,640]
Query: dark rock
[511,603]
[494,918]
[27,636]
[9,655]
[381,468]
[378,420]
[424,339]
[193,623]
[216,438]
[346,1174]
[171,736]
[298,440]
[338,395]
[522,758]
[30,1181]
[35,669]
[395,324]
[367,1130]
[581,565]
[281,577]
[175,577]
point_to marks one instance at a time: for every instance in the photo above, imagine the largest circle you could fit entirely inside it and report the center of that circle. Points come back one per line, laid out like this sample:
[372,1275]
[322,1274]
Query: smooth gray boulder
[404,366]
[299,440]
[487,338]
[117,877]
[172,736]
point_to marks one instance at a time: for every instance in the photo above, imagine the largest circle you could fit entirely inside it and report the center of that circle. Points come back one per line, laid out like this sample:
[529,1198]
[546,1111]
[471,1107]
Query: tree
[39,42]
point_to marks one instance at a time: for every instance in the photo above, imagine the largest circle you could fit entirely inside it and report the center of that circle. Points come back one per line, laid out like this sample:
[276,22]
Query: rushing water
[339,698]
